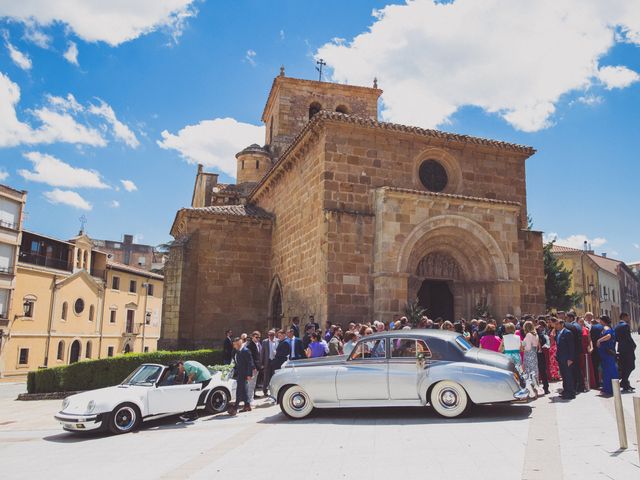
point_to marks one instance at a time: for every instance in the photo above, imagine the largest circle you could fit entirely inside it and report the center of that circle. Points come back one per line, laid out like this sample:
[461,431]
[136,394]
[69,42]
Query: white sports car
[148,393]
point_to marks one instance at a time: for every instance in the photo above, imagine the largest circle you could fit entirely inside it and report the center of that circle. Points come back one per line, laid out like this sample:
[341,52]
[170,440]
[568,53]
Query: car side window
[409,348]
[369,349]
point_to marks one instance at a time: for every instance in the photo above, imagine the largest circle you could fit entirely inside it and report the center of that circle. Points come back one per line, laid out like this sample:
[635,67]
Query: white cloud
[114,204]
[53,171]
[282,35]
[67,197]
[576,241]
[129,186]
[617,77]
[3,175]
[138,237]
[36,36]
[213,143]
[590,99]
[513,58]
[22,60]
[636,245]
[71,54]
[113,21]
[250,57]
[120,130]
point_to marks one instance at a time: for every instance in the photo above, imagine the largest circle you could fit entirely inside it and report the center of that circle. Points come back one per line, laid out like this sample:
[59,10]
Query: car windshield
[463,344]
[143,375]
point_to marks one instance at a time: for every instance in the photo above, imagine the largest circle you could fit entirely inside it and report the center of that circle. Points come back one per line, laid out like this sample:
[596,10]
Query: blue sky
[499,69]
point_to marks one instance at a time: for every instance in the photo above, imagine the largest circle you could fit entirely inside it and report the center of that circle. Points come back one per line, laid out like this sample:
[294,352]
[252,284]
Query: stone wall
[171,294]
[531,272]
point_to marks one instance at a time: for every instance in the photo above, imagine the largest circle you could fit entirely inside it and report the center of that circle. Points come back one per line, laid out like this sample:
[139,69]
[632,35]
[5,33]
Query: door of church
[436,297]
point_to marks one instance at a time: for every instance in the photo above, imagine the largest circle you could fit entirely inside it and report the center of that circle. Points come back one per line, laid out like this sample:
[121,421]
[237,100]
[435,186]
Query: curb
[45,396]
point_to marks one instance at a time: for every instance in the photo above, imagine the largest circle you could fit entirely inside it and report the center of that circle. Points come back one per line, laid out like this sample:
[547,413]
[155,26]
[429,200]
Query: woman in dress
[490,340]
[511,343]
[585,357]
[530,346]
[606,349]
[315,348]
[554,368]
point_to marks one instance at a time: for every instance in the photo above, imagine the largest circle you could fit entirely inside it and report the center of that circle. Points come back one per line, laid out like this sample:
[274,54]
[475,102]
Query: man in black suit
[296,326]
[282,351]
[595,333]
[227,348]
[267,356]
[297,350]
[242,373]
[565,356]
[575,328]
[626,351]
[255,347]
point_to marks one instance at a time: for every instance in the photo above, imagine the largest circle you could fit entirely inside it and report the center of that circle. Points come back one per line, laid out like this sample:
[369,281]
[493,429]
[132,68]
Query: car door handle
[195,389]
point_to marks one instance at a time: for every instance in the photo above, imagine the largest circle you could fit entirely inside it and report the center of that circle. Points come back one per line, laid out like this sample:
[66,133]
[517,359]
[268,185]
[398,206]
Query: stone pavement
[545,439]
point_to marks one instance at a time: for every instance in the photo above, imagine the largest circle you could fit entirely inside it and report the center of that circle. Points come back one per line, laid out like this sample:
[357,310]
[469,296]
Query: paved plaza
[544,439]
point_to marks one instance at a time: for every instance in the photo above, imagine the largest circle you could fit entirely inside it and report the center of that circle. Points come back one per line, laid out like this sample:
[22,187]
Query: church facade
[347,218]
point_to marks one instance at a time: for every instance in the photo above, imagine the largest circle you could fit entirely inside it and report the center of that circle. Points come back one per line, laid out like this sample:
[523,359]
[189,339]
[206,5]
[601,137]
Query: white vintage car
[148,393]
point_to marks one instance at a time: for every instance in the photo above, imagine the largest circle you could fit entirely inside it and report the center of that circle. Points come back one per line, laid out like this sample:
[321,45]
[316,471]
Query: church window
[242,164]
[271,130]
[78,307]
[433,176]
[257,164]
[314,108]
[342,109]
[65,308]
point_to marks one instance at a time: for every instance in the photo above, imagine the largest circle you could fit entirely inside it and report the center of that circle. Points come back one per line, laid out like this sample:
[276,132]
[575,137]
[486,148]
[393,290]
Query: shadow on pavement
[407,415]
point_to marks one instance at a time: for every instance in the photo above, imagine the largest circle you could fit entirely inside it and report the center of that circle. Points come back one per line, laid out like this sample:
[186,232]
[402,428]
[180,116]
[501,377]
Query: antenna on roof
[321,63]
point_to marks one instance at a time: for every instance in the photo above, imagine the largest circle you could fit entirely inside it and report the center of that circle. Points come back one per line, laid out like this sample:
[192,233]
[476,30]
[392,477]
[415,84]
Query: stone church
[348,218]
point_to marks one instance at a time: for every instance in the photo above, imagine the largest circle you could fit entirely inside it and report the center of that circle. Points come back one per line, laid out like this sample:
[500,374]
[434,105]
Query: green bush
[91,374]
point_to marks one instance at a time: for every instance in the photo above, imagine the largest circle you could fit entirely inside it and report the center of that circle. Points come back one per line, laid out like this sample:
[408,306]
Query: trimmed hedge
[91,374]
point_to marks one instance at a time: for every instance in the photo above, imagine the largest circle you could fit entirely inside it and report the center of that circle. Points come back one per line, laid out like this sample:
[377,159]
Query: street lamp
[26,307]
[147,315]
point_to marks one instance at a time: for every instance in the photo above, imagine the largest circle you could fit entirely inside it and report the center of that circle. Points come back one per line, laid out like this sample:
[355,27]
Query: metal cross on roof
[83,222]
[321,63]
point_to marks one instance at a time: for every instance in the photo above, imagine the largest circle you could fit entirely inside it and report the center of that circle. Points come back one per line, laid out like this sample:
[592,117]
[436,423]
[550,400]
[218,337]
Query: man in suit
[227,348]
[575,328]
[267,356]
[255,347]
[297,350]
[296,326]
[243,371]
[283,350]
[626,351]
[566,358]
[595,333]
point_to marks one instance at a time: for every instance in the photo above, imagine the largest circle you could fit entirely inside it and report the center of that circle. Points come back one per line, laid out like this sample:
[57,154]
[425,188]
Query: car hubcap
[218,401]
[298,401]
[125,418]
[449,398]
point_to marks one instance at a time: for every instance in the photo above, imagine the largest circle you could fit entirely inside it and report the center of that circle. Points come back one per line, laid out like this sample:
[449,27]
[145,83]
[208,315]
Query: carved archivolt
[439,265]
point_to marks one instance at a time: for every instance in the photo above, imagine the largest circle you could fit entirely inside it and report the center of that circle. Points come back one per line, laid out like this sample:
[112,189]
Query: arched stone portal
[275,304]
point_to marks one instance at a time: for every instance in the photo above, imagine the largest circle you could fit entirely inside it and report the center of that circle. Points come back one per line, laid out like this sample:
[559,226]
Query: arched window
[91,313]
[78,257]
[242,164]
[60,354]
[85,261]
[257,164]
[65,310]
[342,109]
[271,130]
[127,348]
[314,108]
[87,352]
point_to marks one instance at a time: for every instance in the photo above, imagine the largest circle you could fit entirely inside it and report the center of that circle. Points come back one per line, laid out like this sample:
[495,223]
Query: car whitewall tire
[124,418]
[217,401]
[295,402]
[448,399]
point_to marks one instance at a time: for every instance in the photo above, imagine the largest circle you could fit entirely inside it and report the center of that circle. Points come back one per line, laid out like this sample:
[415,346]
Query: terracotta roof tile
[451,195]
[250,211]
[562,249]
[132,269]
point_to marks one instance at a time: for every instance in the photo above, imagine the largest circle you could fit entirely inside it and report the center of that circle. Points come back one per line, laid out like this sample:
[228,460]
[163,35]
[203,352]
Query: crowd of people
[581,351]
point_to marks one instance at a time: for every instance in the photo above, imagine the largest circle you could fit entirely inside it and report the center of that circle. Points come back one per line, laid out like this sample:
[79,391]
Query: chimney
[604,254]
[128,239]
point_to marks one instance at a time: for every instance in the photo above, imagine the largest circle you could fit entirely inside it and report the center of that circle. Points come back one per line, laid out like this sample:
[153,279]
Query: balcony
[9,225]
[6,269]
[43,261]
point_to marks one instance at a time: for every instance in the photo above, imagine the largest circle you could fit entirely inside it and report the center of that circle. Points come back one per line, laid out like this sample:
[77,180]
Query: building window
[142,261]
[29,308]
[342,109]
[130,318]
[257,164]
[314,108]
[87,350]
[23,358]
[78,307]
[150,289]
[133,286]
[60,353]
[65,310]
[271,130]
[112,316]
[127,348]
[147,318]
[115,283]
[4,303]
[91,313]
[146,349]
[110,351]
[242,164]
[433,176]
[35,246]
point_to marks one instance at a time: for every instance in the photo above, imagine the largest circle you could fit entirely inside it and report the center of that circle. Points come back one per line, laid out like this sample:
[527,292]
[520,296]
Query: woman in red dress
[585,358]
[553,369]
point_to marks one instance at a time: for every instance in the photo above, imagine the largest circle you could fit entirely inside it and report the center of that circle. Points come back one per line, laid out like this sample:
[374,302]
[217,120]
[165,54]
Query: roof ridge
[451,195]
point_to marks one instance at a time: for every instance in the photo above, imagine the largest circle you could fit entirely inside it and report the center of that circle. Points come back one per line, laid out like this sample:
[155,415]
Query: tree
[557,281]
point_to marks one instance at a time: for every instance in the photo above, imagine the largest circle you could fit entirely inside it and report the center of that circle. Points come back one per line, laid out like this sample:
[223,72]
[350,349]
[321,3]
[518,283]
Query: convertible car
[148,392]
[404,368]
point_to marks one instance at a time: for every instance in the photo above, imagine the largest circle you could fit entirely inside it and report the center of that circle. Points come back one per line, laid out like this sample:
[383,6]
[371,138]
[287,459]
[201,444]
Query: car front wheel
[295,403]
[217,401]
[124,418]
[448,399]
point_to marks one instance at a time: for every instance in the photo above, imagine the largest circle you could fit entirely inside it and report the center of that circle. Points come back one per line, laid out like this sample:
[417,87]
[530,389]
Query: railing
[44,261]
[8,269]
[5,224]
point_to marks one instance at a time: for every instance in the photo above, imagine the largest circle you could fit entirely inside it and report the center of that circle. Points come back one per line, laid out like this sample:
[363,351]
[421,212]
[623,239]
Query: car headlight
[91,406]
[65,403]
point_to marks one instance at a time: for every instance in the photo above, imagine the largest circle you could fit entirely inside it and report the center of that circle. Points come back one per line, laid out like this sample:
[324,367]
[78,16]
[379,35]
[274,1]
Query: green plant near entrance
[91,374]
[414,312]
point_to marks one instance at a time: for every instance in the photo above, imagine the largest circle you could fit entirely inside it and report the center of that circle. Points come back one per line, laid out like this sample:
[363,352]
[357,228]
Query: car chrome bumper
[79,423]
[522,394]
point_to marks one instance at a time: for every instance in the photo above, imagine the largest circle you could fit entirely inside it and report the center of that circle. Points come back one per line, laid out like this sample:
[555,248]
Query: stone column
[390,294]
